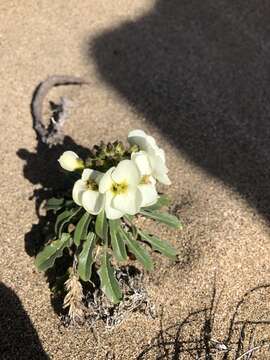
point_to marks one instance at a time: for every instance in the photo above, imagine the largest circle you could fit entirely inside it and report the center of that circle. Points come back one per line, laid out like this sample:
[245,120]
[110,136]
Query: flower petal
[144,141]
[151,143]
[157,164]
[155,154]
[106,181]
[78,189]
[163,178]
[90,174]
[92,201]
[137,137]
[128,202]
[111,212]
[160,170]
[160,152]
[126,171]
[141,160]
[149,194]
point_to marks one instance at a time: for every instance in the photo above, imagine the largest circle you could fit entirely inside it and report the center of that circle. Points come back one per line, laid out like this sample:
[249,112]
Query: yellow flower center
[145,180]
[121,188]
[92,185]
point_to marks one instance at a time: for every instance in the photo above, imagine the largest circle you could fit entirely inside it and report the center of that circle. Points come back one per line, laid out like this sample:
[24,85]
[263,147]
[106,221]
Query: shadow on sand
[18,338]
[199,71]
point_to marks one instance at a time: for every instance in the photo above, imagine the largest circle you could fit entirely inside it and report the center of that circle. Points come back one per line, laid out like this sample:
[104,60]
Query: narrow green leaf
[129,217]
[85,230]
[163,200]
[109,284]
[118,245]
[159,245]
[114,224]
[136,249]
[164,218]
[55,203]
[102,226]
[63,219]
[69,203]
[85,258]
[46,258]
[81,228]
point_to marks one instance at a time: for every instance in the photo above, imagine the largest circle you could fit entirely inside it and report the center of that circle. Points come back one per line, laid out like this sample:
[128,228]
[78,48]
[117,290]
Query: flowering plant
[94,221]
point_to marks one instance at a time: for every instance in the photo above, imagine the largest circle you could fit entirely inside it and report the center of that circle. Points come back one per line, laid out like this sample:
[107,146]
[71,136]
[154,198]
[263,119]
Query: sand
[195,75]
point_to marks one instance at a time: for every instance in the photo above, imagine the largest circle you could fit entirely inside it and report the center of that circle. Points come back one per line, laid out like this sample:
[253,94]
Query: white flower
[70,161]
[85,191]
[147,184]
[155,154]
[120,186]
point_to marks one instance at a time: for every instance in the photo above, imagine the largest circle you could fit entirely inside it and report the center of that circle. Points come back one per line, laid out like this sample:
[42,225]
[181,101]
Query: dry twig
[252,350]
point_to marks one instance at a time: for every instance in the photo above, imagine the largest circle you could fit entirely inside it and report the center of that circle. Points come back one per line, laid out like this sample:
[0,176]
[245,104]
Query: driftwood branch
[52,135]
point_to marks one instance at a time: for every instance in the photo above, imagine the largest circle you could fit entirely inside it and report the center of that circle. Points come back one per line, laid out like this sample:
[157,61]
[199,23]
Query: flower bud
[119,148]
[70,161]
[89,162]
[99,162]
[134,148]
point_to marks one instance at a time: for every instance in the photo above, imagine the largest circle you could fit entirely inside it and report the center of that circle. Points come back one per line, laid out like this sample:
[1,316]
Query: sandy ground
[195,76]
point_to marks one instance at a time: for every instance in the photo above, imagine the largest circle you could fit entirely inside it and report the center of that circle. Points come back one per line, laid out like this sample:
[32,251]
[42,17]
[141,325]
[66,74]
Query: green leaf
[109,284]
[163,200]
[63,219]
[85,258]
[46,258]
[129,217]
[164,218]
[118,245]
[60,218]
[81,228]
[159,245]
[136,249]
[55,203]
[102,226]
[69,203]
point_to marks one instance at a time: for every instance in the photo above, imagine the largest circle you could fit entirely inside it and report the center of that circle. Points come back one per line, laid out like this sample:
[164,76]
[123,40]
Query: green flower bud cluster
[104,156]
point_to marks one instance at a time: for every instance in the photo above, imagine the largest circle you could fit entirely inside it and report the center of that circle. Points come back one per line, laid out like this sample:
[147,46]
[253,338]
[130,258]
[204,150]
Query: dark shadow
[193,337]
[18,338]
[41,168]
[199,71]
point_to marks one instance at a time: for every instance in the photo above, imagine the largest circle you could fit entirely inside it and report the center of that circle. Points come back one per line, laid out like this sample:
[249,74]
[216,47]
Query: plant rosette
[94,220]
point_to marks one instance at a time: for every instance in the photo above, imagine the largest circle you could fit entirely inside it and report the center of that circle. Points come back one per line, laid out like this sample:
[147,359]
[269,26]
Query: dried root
[95,306]
[135,298]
